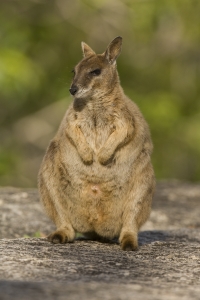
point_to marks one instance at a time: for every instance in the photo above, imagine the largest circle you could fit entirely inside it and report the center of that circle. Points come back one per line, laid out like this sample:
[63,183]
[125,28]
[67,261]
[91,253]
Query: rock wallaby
[96,177]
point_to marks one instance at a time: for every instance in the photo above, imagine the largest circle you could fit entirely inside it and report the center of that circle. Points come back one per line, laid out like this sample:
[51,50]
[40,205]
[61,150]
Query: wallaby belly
[96,208]
[95,195]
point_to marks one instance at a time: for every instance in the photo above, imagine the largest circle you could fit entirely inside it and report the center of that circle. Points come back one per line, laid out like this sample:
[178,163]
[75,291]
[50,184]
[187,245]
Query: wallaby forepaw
[58,237]
[129,242]
[87,157]
[104,157]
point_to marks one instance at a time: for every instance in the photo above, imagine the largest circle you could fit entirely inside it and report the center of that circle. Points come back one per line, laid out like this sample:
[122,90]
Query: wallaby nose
[73,90]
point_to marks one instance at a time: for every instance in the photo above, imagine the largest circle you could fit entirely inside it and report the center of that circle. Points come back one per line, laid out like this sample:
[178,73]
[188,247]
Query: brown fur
[96,177]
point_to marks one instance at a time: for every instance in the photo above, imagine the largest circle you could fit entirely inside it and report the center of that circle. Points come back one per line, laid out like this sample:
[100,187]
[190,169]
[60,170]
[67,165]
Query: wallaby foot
[59,236]
[129,242]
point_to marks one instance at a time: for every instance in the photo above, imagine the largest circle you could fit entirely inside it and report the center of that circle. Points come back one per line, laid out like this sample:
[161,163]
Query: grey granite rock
[166,266]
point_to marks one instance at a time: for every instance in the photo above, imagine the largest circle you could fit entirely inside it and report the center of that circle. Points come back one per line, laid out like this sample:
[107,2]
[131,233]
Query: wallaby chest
[96,124]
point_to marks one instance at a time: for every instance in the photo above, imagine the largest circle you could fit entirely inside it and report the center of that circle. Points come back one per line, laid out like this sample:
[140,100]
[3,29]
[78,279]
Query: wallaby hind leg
[135,214]
[65,232]
[136,210]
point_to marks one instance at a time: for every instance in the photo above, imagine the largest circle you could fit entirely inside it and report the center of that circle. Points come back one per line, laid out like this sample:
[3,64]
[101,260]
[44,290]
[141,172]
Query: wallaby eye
[73,71]
[95,72]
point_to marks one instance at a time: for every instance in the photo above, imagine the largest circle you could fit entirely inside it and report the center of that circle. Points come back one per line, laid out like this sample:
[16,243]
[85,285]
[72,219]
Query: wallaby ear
[113,50]
[87,51]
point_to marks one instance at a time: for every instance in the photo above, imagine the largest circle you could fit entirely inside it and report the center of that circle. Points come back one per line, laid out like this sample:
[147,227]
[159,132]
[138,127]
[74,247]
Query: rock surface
[166,266]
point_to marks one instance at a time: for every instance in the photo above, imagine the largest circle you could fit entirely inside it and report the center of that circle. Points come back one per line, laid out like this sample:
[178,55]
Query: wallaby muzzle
[73,89]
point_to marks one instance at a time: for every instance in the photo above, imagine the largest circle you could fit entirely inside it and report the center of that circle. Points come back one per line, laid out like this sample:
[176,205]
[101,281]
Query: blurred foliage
[159,69]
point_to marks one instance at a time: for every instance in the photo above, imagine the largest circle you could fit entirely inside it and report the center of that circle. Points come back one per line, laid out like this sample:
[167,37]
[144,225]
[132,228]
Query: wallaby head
[96,74]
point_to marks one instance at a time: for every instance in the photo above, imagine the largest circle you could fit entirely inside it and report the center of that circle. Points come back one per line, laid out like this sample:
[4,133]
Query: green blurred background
[159,69]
